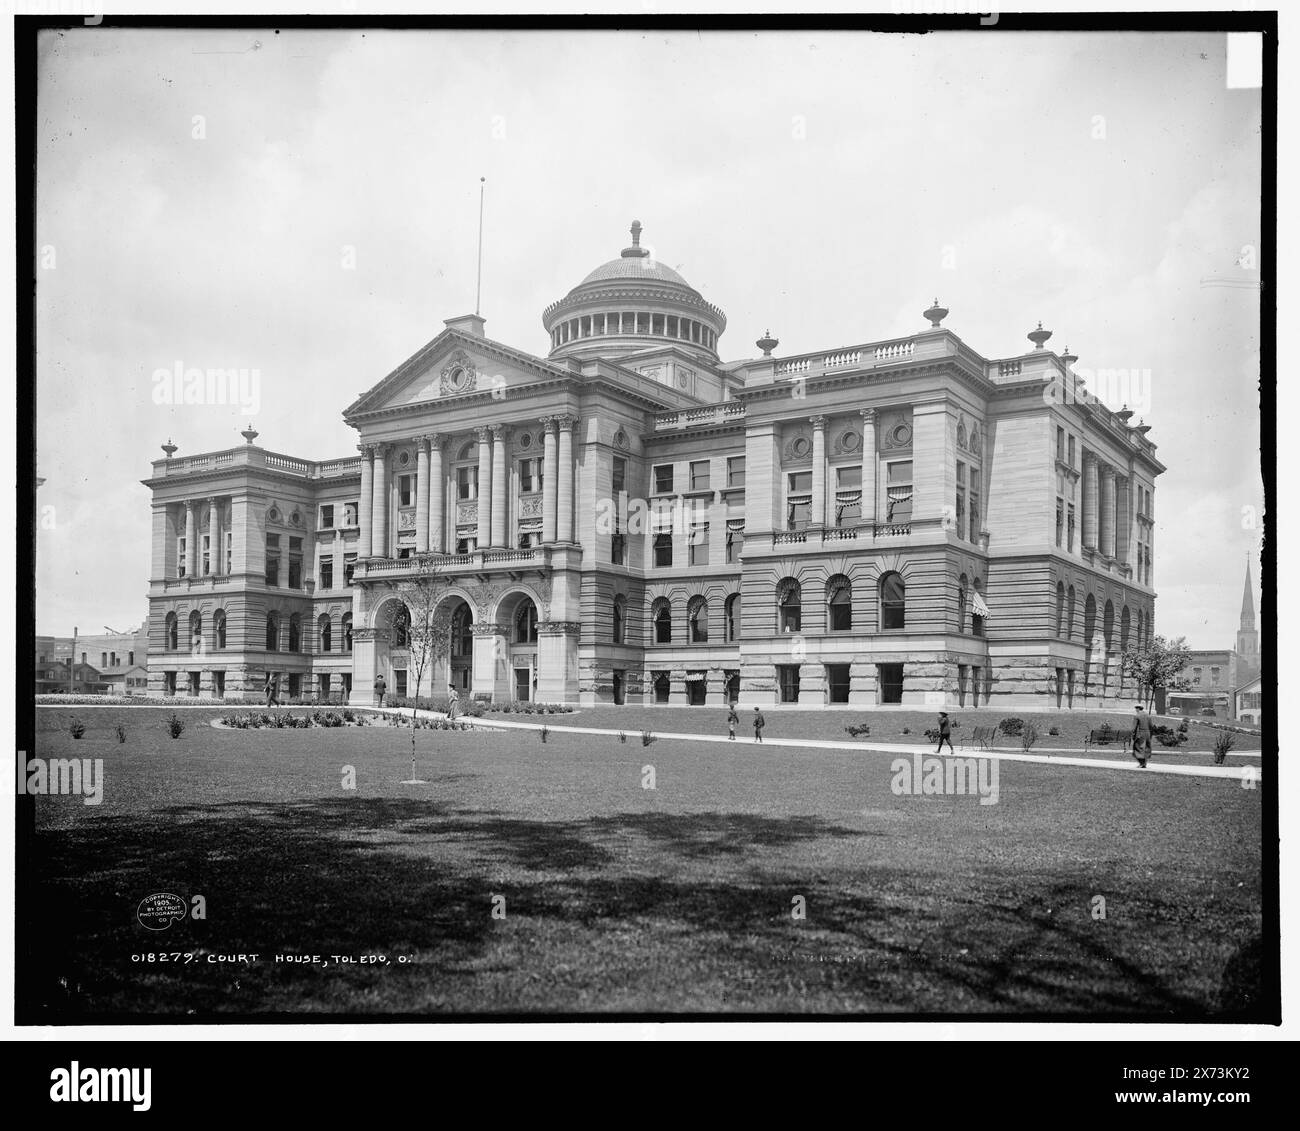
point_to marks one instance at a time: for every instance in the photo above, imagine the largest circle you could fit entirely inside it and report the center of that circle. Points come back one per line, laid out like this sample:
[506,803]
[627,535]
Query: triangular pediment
[454,365]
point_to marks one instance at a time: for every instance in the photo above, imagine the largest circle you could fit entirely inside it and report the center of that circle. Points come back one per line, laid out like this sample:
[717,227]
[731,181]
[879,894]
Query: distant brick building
[633,519]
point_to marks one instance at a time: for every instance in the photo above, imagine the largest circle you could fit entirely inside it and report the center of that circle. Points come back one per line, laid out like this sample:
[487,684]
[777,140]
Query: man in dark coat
[380,687]
[1141,736]
[759,723]
[945,733]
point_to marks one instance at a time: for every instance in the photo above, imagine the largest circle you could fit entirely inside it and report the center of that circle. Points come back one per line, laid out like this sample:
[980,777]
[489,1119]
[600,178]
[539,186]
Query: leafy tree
[1160,664]
[428,632]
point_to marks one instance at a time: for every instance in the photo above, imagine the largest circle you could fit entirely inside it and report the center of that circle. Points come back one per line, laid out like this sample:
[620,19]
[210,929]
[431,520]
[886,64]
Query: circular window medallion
[620,439]
[295,518]
[404,458]
[525,441]
[800,447]
[273,515]
[902,435]
[850,441]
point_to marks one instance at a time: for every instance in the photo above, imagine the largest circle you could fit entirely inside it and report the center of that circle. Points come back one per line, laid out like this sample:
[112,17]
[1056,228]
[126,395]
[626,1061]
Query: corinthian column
[868,466]
[1107,509]
[564,489]
[191,539]
[363,504]
[379,507]
[437,493]
[484,487]
[1089,500]
[422,494]
[819,471]
[214,537]
[500,486]
[549,485]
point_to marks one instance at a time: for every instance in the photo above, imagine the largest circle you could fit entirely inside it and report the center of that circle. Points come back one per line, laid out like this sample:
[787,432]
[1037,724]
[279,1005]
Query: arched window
[295,633]
[1090,621]
[1125,627]
[526,623]
[1069,614]
[978,609]
[346,625]
[1141,639]
[697,620]
[169,629]
[893,602]
[399,621]
[789,605]
[1060,608]
[272,632]
[839,603]
[962,584]
[219,627]
[620,618]
[1108,625]
[325,632]
[661,613]
[467,452]
[731,619]
[196,631]
[462,632]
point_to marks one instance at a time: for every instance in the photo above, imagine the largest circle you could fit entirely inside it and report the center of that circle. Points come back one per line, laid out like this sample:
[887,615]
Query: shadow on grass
[606,898]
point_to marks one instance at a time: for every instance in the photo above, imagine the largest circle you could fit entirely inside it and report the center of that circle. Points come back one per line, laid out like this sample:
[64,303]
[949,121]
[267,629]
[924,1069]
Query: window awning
[978,606]
[735,525]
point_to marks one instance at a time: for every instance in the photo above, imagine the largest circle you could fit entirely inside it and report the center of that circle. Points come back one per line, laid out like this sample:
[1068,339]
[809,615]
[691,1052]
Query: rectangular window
[618,548]
[295,563]
[890,679]
[663,550]
[399,682]
[1069,528]
[207,555]
[273,560]
[798,500]
[1060,444]
[466,483]
[230,550]
[788,679]
[618,475]
[735,544]
[349,566]
[974,508]
[404,490]
[736,471]
[699,545]
[405,551]
[327,516]
[837,682]
[700,475]
[848,495]
[530,476]
[664,479]
[327,573]
[898,492]
[960,501]
[1071,459]
[529,538]
[1060,521]
[181,557]
[350,514]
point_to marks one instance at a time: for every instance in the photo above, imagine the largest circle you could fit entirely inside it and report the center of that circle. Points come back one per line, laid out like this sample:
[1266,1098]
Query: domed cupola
[632,304]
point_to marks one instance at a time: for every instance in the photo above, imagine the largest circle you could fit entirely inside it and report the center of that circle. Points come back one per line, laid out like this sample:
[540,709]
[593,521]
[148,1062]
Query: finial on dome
[169,448]
[249,434]
[936,314]
[636,251]
[1068,358]
[767,343]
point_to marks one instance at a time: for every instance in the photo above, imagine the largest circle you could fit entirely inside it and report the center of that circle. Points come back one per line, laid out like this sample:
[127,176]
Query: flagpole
[478,288]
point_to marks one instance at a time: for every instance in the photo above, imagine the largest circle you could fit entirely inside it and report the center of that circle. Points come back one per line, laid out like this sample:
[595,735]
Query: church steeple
[1247,605]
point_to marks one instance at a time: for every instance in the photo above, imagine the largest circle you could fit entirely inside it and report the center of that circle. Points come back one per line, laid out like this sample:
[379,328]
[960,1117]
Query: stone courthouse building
[632,519]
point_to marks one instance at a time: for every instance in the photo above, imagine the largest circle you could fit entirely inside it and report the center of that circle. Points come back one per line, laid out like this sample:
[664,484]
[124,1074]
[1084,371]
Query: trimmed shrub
[175,726]
[1054,730]
[76,727]
[1014,726]
[1223,742]
[1028,736]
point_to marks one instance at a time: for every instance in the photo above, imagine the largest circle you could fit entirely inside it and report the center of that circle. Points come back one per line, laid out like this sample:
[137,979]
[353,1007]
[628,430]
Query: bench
[982,737]
[1103,737]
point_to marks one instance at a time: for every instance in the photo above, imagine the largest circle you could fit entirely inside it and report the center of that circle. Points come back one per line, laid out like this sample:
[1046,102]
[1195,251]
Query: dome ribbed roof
[642,268]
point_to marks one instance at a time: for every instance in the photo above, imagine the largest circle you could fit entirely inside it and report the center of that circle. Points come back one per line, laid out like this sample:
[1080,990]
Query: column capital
[566,422]
[484,433]
[366,450]
[382,450]
[212,500]
[818,422]
[869,415]
[435,440]
[1121,480]
[547,421]
[500,431]
[1090,459]
[1107,471]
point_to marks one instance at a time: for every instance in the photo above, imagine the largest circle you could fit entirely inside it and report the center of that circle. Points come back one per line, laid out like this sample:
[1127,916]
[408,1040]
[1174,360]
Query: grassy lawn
[619,898]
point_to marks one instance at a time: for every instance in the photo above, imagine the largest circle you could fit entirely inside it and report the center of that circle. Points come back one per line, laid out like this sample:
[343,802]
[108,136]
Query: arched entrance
[460,660]
[518,613]
[392,647]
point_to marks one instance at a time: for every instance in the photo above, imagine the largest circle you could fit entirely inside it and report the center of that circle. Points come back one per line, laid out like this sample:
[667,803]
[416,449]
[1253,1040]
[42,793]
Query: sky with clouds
[306,204]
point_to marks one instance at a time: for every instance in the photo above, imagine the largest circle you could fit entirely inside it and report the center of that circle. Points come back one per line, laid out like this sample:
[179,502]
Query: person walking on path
[759,723]
[1141,735]
[272,691]
[945,733]
[733,720]
[380,687]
